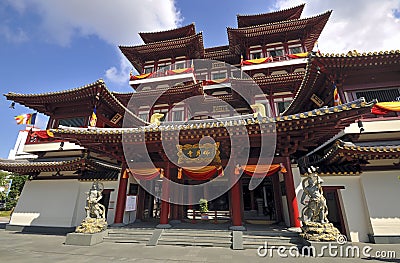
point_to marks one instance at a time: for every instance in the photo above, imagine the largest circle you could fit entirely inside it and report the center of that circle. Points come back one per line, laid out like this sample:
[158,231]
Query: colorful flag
[93,118]
[316,48]
[383,108]
[336,97]
[29,118]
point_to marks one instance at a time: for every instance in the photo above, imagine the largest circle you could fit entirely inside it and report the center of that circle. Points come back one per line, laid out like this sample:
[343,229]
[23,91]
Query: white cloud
[119,76]
[116,22]
[364,25]
[13,35]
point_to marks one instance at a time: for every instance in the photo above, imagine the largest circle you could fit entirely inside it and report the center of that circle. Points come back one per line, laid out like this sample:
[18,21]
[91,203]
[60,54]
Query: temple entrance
[335,215]
[259,205]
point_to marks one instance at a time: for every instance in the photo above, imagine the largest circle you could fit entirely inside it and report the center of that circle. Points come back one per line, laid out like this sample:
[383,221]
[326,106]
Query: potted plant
[203,209]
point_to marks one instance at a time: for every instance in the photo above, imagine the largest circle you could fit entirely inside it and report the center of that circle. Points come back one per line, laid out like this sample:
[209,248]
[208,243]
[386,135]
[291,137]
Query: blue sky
[55,45]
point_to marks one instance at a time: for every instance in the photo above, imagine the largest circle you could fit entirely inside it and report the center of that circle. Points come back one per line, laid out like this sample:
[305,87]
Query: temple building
[271,105]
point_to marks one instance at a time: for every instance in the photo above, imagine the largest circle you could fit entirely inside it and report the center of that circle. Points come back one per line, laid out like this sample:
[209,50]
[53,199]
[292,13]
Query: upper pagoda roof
[138,55]
[320,66]
[152,37]
[84,96]
[272,17]
[308,29]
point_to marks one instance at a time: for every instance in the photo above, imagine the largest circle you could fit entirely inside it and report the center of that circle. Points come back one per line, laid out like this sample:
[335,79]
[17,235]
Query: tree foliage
[18,182]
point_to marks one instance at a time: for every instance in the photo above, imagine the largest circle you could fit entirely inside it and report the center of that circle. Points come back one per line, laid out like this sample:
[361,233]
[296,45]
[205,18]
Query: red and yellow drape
[179,71]
[214,82]
[260,170]
[200,173]
[257,61]
[383,108]
[298,55]
[147,173]
[141,76]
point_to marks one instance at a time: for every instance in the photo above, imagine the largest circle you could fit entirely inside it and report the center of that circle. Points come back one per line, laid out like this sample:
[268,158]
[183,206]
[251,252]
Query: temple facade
[268,102]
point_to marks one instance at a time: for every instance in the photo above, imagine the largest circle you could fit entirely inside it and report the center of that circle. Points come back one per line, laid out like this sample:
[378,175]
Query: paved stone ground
[21,248]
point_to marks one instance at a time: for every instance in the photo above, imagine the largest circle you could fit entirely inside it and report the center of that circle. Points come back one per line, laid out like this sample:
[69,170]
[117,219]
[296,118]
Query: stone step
[197,234]
[121,235]
[195,242]
[206,238]
[271,233]
[131,234]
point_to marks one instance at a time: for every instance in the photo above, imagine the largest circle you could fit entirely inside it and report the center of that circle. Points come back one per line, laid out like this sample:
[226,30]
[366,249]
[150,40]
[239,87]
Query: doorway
[259,204]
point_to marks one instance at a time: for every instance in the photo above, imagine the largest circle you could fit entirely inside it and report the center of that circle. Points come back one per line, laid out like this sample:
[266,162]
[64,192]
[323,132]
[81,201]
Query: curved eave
[33,167]
[333,119]
[354,60]
[192,89]
[349,151]
[137,55]
[280,80]
[321,64]
[336,170]
[46,102]
[152,37]
[314,25]
[305,90]
[271,17]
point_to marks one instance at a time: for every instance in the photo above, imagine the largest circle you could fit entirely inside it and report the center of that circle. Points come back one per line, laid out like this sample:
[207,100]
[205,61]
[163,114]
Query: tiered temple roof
[272,17]
[307,29]
[189,45]
[176,33]
[75,101]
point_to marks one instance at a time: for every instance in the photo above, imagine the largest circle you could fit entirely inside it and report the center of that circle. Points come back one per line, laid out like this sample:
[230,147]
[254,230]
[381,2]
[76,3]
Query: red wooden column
[121,199]
[235,200]
[164,213]
[291,195]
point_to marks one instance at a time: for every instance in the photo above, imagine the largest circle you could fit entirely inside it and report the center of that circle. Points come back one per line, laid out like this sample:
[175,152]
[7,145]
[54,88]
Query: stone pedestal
[83,239]
[89,233]
[314,231]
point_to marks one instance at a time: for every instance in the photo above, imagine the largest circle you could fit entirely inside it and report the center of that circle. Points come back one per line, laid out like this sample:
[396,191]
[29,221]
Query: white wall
[382,193]
[46,203]
[354,206]
[353,203]
[56,203]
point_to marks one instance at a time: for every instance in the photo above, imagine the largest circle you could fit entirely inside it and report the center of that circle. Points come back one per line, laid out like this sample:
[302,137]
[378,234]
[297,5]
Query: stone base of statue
[91,232]
[82,239]
[314,231]
[92,225]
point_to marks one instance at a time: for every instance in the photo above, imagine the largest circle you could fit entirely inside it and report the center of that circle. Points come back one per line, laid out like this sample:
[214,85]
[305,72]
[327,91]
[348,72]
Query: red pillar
[235,202]
[291,195]
[121,199]
[164,213]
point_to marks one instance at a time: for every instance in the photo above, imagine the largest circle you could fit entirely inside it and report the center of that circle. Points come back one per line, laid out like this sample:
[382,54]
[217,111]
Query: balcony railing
[267,62]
